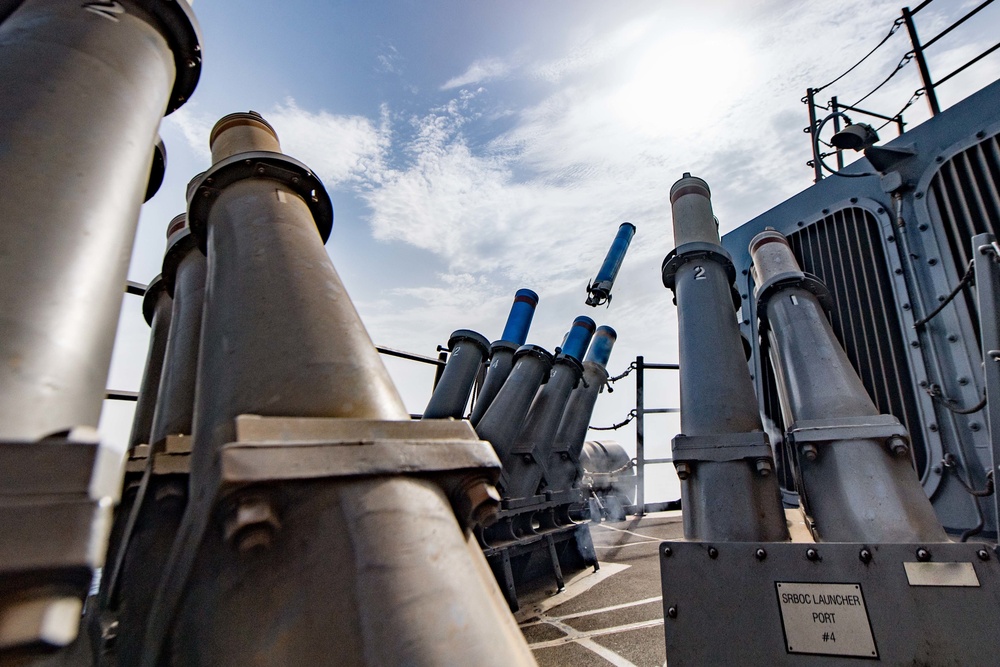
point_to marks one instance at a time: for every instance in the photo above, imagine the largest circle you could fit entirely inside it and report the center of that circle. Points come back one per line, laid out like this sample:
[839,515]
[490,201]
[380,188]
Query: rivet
[667,552]
[812,554]
[713,553]
[923,554]
[983,554]
[760,554]
[932,427]
[672,612]
[865,556]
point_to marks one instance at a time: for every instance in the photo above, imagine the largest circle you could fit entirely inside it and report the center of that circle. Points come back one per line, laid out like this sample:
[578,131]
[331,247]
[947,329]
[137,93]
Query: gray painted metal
[729,498]
[156,309]
[468,351]
[184,271]
[505,417]
[855,475]
[501,364]
[987,255]
[563,465]
[280,337]
[525,469]
[734,587]
[76,160]
[927,207]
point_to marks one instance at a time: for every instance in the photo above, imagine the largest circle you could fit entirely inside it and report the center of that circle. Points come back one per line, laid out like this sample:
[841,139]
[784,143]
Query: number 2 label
[699,273]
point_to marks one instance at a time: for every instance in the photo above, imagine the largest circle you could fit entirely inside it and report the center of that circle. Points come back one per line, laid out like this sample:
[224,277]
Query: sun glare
[684,82]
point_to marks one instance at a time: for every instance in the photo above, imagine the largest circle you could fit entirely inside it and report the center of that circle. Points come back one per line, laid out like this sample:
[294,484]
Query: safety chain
[615,427]
[934,391]
[631,463]
[628,370]
[951,463]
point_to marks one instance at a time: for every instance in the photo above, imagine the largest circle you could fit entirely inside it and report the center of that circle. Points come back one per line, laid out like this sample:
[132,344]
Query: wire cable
[966,280]
[895,26]
[903,62]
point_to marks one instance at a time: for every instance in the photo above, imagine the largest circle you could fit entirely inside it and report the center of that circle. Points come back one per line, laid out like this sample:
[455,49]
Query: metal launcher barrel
[313,496]
[723,456]
[599,291]
[515,332]
[468,350]
[525,471]
[85,86]
[563,465]
[855,472]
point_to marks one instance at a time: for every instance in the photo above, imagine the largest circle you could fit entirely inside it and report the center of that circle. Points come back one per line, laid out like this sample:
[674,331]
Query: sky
[475,148]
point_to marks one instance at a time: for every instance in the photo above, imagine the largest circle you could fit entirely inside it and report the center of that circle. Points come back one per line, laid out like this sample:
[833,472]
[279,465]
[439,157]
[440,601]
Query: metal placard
[825,619]
[722,604]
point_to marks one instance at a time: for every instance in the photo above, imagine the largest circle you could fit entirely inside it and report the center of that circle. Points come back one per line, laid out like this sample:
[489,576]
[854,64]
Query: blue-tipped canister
[579,337]
[599,292]
[519,320]
[600,346]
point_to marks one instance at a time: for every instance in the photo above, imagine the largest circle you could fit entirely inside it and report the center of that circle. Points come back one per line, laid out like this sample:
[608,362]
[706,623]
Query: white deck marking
[599,632]
[606,653]
[629,532]
[576,586]
[626,544]
[614,607]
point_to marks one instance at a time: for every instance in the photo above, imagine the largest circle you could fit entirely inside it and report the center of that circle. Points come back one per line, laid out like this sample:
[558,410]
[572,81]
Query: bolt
[938,470]
[295,179]
[890,238]
[975,426]
[963,381]
[952,338]
[932,427]
[932,262]
[476,503]
[923,554]
[897,446]
[667,552]
[764,467]
[919,195]
[812,554]
[865,556]
[906,306]
[922,227]
[713,553]
[809,451]
[672,612]
[683,470]
[191,64]
[251,523]
[983,554]
[914,343]
[526,458]
[898,272]
[760,554]
[260,170]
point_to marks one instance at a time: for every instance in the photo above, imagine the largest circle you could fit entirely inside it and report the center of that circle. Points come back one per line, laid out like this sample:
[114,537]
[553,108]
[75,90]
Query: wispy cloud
[479,72]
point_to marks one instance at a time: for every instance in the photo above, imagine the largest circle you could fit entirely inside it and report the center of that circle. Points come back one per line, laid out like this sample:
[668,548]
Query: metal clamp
[776,283]
[56,522]
[258,164]
[805,435]
[688,252]
[277,449]
[720,448]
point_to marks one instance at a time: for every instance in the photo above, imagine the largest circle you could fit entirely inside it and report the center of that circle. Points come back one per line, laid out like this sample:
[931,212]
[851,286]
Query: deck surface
[610,617]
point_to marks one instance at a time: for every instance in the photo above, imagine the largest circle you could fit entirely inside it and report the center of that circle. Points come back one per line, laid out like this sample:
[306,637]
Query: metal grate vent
[845,251]
[964,196]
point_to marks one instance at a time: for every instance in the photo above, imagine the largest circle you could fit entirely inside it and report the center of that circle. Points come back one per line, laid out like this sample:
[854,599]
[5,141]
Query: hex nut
[683,470]
[477,502]
[809,451]
[764,467]
[251,523]
[898,446]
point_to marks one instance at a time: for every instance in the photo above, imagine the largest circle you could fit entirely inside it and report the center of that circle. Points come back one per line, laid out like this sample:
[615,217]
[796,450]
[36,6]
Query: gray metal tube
[84,88]
[503,420]
[280,337]
[184,271]
[501,364]
[858,485]
[524,469]
[563,464]
[722,457]
[468,351]
[156,308]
